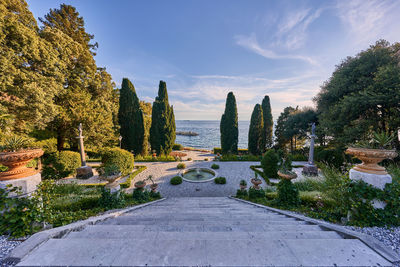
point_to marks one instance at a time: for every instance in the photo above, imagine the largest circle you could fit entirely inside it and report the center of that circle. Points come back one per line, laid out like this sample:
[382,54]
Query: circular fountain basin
[198,175]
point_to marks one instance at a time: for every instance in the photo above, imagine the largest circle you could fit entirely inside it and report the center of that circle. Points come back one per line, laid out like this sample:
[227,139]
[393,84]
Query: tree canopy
[363,94]
[268,123]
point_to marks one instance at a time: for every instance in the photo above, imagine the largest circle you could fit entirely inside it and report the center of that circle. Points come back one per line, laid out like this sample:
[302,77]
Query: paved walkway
[203,232]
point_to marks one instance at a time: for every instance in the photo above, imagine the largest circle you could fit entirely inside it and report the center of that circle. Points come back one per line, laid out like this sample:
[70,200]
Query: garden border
[37,239]
[370,241]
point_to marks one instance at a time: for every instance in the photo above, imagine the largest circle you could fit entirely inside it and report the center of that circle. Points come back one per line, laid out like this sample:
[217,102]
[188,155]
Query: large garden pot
[256,183]
[243,187]
[370,159]
[287,176]
[16,163]
[140,185]
[153,187]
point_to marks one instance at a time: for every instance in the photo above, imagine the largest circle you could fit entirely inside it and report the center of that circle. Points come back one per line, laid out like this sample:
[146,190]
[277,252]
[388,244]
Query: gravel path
[163,172]
[5,247]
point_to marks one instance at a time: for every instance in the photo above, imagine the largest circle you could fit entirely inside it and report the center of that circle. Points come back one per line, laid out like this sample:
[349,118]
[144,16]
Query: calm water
[209,135]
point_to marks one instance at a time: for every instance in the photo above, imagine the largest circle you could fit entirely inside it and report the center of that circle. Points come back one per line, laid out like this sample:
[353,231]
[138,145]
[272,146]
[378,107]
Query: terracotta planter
[140,185]
[153,187]
[370,159]
[256,183]
[243,187]
[16,163]
[287,176]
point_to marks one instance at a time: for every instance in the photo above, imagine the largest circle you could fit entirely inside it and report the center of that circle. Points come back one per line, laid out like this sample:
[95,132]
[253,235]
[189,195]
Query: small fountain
[198,175]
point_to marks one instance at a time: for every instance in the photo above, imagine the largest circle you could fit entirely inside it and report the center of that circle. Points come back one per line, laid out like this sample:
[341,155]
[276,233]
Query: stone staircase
[203,232]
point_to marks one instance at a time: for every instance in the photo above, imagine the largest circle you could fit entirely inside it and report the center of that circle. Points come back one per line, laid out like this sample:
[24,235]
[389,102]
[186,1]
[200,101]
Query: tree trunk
[60,139]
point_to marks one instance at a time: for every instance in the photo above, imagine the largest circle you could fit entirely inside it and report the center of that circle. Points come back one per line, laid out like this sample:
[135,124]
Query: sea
[209,133]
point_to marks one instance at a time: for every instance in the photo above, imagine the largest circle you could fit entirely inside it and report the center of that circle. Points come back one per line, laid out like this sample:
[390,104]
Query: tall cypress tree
[268,123]
[162,131]
[130,117]
[256,131]
[229,126]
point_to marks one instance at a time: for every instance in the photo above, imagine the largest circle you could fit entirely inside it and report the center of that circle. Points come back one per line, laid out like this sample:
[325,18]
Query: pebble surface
[5,248]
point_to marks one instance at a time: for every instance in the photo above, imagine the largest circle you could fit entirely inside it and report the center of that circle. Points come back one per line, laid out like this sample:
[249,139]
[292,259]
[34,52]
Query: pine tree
[162,131]
[256,131]
[87,92]
[229,126]
[130,118]
[268,123]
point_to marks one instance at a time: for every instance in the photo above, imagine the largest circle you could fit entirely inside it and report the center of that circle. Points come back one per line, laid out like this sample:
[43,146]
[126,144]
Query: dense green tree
[256,131]
[30,73]
[280,134]
[146,108]
[268,122]
[87,93]
[130,117]
[229,126]
[363,94]
[162,131]
[298,125]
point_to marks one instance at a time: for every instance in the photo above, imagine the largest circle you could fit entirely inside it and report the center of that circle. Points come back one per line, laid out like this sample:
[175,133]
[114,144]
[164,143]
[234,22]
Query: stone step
[255,252]
[126,232]
[219,228]
[205,217]
[224,222]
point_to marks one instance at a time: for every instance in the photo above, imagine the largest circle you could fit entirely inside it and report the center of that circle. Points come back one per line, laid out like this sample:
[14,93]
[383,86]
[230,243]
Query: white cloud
[251,43]
[368,21]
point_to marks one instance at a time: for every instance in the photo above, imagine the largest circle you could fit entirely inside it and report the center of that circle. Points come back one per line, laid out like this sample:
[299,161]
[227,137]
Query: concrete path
[203,232]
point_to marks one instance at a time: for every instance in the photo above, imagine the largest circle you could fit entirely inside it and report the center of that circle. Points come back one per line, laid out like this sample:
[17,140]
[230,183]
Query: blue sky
[204,49]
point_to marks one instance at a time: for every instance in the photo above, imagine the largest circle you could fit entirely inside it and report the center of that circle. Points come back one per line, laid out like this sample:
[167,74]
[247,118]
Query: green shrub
[61,164]
[189,159]
[177,147]
[332,157]
[288,195]
[217,150]
[231,157]
[119,157]
[176,180]
[215,166]
[220,180]
[140,196]
[48,145]
[206,159]
[181,166]
[75,202]
[161,158]
[269,163]
[309,184]
[241,193]
[298,157]
[256,193]
[3,168]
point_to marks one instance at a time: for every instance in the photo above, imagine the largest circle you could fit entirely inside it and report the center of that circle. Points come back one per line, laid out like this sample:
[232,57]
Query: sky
[205,49]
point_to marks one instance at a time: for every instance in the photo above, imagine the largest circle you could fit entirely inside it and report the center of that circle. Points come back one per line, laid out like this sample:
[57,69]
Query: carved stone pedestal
[84,172]
[310,170]
[376,180]
[28,184]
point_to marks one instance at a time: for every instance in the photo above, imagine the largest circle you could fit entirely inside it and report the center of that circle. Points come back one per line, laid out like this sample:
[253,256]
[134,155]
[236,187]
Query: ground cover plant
[181,166]
[215,166]
[150,158]
[336,196]
[54,205]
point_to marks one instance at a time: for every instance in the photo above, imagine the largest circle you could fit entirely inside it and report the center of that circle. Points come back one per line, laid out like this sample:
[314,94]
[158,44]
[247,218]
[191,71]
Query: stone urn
[16,163]
[256,183]
[287,176]
[243,187]
[370,159]
[140,185]
[153,187]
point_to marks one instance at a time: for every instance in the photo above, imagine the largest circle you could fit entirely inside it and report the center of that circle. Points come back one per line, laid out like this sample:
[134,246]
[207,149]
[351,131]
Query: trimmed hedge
[119,157]
[132,176]
[176,180]
[61,164]
[243,151]
[220,180]
[269,163]
[181,166]
[215,166]
[177,147]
